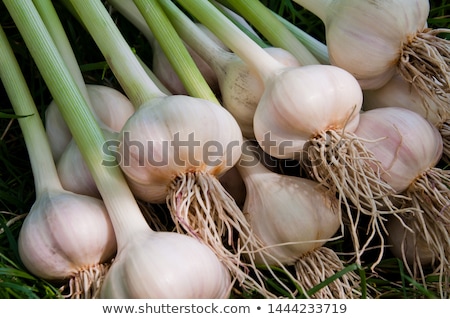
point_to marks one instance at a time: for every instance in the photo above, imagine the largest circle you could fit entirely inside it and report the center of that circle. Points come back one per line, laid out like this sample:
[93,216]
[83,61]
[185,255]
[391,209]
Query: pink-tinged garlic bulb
[408,148]
[294,217]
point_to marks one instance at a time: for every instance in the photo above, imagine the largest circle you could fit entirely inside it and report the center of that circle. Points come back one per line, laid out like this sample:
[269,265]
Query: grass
[390,279]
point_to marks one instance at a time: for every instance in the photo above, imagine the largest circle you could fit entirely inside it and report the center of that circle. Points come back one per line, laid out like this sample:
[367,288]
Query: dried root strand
[87,283]
[341,162]
[425,63]
[431,194]
[200,207]
[319,265]
[445,133]
[416,253]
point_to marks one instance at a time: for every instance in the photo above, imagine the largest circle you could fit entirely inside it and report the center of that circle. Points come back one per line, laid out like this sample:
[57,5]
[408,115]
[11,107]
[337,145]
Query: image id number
[308,308]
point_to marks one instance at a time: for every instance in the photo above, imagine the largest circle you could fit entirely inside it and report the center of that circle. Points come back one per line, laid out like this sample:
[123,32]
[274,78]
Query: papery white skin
[176,267]
[406,144]
[241,86]
[151,168]
[111,106]
[112,109]
[58,132]
[366,37]
[65,233]
[295,215]
[398,92]
[242,89]
[406,245]
[74,173]
[300,103]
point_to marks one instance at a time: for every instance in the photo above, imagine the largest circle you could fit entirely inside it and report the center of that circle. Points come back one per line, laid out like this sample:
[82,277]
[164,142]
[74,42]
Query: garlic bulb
[407,245]
[399,93]
[405,144]
[175,135]
[171,265]
[68,236]
[392,36]
[110,106]
[408,148]
[240,87]
[74,173]
[58,132]
[300,104]
[112,109]
[294,217]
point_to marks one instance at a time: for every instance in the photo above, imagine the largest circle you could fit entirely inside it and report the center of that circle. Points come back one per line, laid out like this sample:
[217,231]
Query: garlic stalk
[310,113]
[393,36]
[174,148]
[175,50]
[240,87]
[275,31]
[134,237]
[239,21]
[295,217]
[57,131]
[317,48]
[110,107]
[65,237]
[161,66]
[409,148]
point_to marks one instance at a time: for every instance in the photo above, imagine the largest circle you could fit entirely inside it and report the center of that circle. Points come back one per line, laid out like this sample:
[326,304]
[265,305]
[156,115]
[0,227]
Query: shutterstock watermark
[193,152]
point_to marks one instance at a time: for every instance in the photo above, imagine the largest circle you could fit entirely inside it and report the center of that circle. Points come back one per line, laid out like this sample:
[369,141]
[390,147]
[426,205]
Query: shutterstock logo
[181,152]
[194,152]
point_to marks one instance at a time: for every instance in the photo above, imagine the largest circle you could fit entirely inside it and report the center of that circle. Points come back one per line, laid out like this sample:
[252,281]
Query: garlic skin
[110,106]
[407,246]
[74,173]
[294,217]
[64,233]
[404,142]
[176,267]
[112,109]
[376,28]
[209,133]
[301,103]
[241,88]
[399,93]
[294,214]
[58,132]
